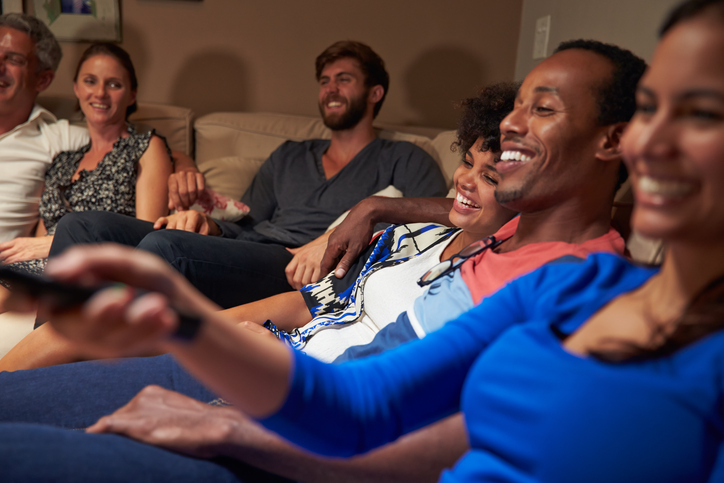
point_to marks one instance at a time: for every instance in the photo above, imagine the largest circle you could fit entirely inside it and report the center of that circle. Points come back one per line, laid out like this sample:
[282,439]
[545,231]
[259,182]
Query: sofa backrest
[231,146]
[174,123]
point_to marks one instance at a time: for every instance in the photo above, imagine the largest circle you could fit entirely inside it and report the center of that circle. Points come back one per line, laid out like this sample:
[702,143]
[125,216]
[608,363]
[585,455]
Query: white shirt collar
[40,112]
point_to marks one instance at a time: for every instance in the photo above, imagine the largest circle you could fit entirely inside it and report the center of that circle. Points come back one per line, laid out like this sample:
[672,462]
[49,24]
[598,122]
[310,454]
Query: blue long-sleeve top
[533,411]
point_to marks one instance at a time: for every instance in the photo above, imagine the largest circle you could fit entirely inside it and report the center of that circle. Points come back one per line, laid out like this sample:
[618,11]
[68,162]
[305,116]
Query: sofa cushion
[174,123]
[389,192]
[448,159]
[249,136]
[230,175]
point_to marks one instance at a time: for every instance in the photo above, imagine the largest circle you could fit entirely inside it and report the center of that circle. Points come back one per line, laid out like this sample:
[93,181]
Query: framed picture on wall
[7,6]
[81,20]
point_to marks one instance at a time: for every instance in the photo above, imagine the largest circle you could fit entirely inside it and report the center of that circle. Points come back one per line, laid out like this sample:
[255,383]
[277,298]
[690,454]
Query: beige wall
[632,24]
[218,55]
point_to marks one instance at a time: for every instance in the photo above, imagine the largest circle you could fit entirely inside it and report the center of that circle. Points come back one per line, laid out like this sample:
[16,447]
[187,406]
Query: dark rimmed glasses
[447,266]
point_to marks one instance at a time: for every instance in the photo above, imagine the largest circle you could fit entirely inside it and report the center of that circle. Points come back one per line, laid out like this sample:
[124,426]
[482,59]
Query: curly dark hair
[690,9]
[371,64]
[617,95]
[482,116]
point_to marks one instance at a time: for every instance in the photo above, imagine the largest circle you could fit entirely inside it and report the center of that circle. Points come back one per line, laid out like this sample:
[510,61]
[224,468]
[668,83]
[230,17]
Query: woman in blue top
[596,371]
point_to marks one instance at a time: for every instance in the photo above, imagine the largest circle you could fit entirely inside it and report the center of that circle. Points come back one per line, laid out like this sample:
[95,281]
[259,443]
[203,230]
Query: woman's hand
[305,266]
[191,220]
[25,248]
[114,322]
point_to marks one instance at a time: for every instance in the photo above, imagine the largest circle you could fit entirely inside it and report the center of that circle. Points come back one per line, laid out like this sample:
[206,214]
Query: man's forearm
[182,162]
[417,457]
[354,233]
[407,210]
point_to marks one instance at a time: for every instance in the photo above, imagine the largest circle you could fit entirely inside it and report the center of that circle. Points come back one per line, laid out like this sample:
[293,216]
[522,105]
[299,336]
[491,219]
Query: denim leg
[77,395]
[90,227]
[228,271]
[35,453]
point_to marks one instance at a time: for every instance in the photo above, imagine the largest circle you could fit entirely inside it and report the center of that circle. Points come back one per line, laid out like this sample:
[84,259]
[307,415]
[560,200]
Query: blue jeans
[34,453]
[229,271]
[39,406]
[74,396]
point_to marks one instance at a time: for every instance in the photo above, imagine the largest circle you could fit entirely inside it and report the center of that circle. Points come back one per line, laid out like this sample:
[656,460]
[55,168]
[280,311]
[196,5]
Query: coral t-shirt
[484,279]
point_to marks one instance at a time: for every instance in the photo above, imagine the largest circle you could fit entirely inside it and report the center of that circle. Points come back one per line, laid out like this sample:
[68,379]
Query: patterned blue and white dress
[349,312]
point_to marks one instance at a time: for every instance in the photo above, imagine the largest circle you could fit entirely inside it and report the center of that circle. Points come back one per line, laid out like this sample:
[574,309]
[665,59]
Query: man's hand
[173,421]
[353,235]
[190,220]
[185,184]
[349,239]
[25,248]
[184,188]
[305,267]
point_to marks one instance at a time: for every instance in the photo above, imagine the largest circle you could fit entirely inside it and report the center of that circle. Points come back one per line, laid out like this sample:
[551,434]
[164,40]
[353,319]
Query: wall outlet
[540,44]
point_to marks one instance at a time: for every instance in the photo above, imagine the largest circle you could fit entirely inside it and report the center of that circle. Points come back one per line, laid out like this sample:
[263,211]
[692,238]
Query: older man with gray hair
[30,136]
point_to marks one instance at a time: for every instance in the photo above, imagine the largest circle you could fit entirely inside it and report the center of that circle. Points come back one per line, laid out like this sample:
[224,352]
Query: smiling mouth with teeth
[100,106]
[664,188]
[465,201]
[514,156]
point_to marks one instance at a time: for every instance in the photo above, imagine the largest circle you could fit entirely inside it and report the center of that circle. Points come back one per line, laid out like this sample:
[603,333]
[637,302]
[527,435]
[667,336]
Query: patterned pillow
[220,207]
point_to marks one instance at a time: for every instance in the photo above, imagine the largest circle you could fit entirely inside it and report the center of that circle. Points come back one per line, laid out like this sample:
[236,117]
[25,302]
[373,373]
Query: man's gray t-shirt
[292,202]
